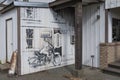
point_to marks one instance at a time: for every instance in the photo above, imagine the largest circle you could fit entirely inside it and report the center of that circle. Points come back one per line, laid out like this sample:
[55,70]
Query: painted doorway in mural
[9,39]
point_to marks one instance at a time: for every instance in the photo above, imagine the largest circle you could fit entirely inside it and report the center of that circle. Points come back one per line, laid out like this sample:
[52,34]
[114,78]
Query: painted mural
[50,49]
[47,40]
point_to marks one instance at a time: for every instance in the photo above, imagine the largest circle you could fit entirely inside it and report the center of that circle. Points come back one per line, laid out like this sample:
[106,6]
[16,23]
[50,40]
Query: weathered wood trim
[7,8]
[78,36]
[106,26]
[31,4]
[18,42]
[58,2]
[2,5]
[23,4]
[93,1]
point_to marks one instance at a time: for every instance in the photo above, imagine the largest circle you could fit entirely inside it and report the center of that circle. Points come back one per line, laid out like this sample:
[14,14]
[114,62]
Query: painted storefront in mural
[47,40]
[49,50]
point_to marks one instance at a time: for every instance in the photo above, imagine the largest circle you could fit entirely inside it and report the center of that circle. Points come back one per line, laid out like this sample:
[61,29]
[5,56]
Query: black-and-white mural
[47,40]
[50,49]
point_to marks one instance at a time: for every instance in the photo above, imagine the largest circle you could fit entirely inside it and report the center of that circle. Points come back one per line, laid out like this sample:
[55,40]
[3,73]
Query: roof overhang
[7,8]
[2,3]
[60,4]
[31,4]
[23,4]
[88,2]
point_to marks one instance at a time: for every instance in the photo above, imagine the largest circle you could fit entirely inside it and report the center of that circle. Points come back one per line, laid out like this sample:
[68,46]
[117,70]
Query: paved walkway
[59,74]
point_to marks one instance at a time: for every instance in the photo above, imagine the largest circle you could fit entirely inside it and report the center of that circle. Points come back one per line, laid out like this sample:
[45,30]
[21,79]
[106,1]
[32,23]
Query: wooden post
[19,44]
[106,26]
[78,36]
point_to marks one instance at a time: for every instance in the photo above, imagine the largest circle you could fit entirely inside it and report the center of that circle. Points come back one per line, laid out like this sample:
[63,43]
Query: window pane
[29,43]
[29,38]
[29,12]
[29,33]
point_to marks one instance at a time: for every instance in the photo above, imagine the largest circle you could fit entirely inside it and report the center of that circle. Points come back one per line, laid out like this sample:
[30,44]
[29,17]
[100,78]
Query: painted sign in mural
[50,48]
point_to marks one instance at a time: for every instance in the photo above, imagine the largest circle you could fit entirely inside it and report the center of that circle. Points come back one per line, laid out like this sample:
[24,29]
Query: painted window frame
[31,38]
[29,13]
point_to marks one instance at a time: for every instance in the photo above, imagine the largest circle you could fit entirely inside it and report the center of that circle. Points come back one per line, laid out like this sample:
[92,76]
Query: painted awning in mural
[112,4]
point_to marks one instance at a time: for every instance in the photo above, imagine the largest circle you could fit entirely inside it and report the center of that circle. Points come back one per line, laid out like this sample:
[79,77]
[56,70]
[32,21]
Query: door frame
[7,38]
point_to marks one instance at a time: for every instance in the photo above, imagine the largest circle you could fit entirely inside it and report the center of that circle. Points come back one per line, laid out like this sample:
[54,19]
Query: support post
[106,26]
[18,43]
[78,36]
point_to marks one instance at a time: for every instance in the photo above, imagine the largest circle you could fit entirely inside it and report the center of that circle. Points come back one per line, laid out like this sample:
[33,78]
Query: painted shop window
[29,38]
[29,12]
[116,30]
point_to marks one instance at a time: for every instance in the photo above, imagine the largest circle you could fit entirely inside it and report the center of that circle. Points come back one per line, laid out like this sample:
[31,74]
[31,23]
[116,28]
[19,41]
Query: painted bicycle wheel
[57,59]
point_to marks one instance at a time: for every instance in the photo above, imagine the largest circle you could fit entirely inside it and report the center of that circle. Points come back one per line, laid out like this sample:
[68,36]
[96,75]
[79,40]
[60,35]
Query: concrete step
[5,66]
[111,70]
[114,65]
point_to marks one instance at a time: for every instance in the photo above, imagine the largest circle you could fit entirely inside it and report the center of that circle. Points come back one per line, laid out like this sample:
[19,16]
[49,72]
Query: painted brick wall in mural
[47,40]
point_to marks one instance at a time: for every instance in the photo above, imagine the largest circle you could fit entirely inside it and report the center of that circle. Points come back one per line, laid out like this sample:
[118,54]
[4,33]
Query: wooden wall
[112,4]
[3,17]
[93,32]
[45,20]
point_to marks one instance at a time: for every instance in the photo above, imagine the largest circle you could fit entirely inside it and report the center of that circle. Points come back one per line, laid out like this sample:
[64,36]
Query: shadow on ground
[59,74]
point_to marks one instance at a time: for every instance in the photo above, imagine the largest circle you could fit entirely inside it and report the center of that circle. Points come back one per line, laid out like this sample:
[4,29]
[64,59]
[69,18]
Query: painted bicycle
[45,56]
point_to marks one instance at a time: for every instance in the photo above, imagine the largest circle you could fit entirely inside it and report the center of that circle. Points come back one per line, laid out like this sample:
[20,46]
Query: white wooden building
[45,38]
[100,25]
[93,32]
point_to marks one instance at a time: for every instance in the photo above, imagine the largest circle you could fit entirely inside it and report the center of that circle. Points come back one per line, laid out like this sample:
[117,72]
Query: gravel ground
[59,74]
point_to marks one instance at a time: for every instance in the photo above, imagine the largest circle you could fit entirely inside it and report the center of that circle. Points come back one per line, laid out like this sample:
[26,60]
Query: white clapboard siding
[46,19]
[3,17]
[112,4]
[93,32]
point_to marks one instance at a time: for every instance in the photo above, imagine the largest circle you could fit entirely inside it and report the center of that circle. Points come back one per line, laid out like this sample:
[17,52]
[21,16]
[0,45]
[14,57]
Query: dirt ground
[64,73]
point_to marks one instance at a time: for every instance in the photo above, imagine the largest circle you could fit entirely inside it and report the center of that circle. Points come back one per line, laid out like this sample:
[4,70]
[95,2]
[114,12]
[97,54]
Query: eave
[23,4]
[31,4]
[88,2]
[60,4]
[7,8]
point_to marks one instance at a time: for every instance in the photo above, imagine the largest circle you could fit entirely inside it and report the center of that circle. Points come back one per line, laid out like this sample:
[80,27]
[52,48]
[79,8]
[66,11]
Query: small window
[29,38]
[29,12]
[116,30]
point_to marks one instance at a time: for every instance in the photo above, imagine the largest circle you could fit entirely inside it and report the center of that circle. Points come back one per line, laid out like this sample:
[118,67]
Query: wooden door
[9,39]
